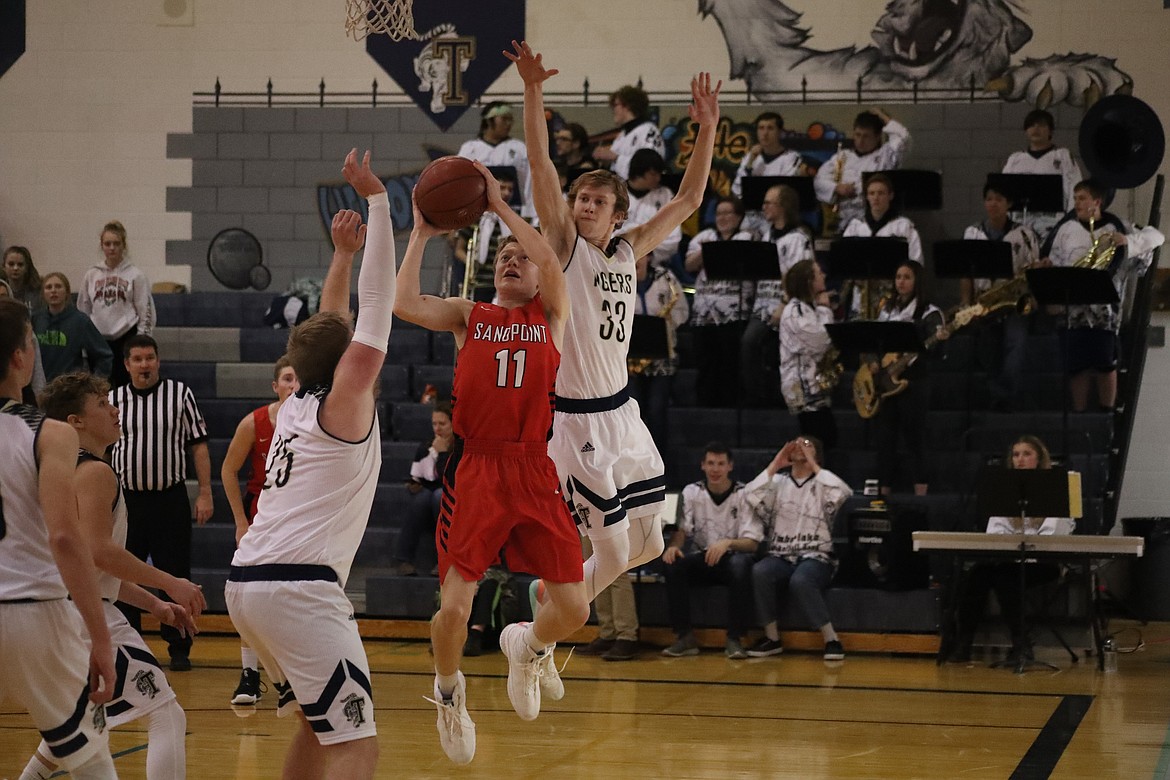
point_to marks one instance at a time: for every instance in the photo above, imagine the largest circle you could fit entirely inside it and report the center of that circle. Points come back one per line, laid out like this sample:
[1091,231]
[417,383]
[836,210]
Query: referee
[160,420]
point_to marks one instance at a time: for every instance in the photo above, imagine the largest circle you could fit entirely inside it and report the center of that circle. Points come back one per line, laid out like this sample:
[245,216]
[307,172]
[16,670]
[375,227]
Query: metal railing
[586,96]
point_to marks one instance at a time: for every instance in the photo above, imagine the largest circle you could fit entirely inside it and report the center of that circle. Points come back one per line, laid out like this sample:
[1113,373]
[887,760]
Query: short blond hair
[604,178]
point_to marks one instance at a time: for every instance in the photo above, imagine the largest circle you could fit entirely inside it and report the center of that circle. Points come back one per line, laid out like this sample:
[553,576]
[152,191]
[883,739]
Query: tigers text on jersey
[504,375]
[27,567]
[317,492]
[597,339]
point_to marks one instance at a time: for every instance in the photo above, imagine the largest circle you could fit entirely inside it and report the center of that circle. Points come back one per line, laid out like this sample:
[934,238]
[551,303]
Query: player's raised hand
[704,107]
[359,175]
[347,231]
[530,66]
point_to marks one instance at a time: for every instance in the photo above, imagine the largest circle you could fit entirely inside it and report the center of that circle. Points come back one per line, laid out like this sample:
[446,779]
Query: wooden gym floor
[792,716]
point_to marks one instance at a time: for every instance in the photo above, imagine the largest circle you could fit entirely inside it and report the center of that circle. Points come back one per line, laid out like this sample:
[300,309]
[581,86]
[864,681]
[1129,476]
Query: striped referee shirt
[158,424]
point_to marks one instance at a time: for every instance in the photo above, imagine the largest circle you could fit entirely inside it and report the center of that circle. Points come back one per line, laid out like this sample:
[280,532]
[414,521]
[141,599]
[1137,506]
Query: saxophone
[831,211]
[829,370]
[1101,251]
[638,365]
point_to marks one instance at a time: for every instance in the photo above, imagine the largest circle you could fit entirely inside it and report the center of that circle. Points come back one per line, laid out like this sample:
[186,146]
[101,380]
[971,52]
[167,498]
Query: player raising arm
[500,488]
[610,469]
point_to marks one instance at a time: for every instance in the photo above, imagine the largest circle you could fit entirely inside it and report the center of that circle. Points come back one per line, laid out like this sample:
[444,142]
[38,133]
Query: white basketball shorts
[305,635]
[45,659]
[141,687]
[609,467]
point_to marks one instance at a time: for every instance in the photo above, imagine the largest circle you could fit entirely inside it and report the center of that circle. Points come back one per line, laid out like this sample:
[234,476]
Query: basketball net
[394,18]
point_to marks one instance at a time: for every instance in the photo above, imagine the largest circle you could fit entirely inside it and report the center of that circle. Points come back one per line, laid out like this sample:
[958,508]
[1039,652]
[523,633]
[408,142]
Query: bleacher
[216,343]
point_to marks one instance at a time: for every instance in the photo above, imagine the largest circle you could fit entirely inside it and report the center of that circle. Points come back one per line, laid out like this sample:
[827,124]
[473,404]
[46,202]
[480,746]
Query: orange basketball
[451,193]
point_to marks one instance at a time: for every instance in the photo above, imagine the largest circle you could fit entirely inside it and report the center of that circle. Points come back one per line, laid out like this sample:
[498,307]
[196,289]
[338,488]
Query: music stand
[1023,493]
[969,258]
[914,190]
[754,188]
[1042,192]
[1070,287]
[648,338]
[866,257]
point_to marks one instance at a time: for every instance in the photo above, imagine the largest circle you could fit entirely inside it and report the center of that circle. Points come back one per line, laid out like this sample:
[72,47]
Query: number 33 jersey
[504,375]
[317,492]
[601,292]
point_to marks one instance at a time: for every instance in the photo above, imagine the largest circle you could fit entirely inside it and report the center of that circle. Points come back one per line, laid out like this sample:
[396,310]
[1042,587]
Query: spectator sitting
[572,145]
[647,197]
[426,491]
[721,310]
[881,220]
[1027,452]
[495,605]
[767,157]
[720,534]
[68,339]
[631,112]
[659,294]
[798,500]
[23,279]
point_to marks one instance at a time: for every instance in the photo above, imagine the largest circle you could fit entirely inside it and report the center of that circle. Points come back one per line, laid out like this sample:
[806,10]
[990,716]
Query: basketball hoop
[394,18]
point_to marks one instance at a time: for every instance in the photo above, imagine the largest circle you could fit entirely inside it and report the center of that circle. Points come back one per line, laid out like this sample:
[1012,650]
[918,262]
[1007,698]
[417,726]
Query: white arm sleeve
[376,280]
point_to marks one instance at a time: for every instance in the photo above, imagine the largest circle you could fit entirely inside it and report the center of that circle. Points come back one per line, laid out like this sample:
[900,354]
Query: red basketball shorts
[505,496]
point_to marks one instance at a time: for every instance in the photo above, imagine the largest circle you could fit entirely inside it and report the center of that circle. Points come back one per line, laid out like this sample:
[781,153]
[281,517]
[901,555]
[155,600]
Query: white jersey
[108,584]
[852,166]
[508,152]
[707,521]
[317,493]
[642,135]
[792,246]
[642,208]
[1024,243]
[601,291]
[27,567]
[1056,161]
[787,163]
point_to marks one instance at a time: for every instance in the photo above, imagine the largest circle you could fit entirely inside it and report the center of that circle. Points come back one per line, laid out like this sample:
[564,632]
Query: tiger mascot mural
[936,44]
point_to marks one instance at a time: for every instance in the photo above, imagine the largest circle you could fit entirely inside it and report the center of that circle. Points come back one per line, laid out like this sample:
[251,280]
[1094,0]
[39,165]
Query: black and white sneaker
[766,647]
[250,688]
[834,651]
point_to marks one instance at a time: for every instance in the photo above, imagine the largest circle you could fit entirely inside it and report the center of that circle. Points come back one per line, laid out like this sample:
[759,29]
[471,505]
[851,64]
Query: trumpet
[1101,251]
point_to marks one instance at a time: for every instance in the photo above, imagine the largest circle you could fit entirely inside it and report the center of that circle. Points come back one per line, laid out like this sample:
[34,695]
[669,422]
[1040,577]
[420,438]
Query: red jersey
[260,445]
[505,374]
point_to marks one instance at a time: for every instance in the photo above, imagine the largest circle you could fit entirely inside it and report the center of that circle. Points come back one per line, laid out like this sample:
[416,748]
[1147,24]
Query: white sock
[447,683]
[534,643]
[828,633]
[166,751]
[248,658]
[100,767]
[36,769]
[772,631]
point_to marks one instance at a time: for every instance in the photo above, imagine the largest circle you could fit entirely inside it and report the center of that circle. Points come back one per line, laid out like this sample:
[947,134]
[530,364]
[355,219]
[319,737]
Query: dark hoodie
[64,336]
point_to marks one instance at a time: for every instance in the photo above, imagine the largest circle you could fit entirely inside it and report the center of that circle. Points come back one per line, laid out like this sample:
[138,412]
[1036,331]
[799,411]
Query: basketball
[451,193]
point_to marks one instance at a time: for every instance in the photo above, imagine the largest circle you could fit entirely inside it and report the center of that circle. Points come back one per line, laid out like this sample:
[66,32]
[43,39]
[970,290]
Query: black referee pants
[159,527]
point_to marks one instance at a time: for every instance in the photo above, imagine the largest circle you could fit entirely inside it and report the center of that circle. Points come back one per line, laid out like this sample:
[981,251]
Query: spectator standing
[714,543]
[647,197]
[766,157]
[659,294]
[22,276]
[495,147]
[880,220]
[116,296]
[631,112]
[426,491]
[839,180]
[798,500]
[68,339]
[160,422]
[804,340]
[1045,158]
[572,145]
